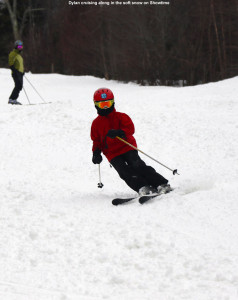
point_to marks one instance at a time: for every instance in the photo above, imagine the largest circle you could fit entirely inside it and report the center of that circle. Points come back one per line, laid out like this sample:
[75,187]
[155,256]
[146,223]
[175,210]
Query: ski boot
[147,190]
[164,189]
[11,101]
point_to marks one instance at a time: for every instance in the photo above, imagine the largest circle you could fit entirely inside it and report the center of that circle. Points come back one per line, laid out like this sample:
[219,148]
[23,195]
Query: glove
[112,133]
[97,157]
[14,70]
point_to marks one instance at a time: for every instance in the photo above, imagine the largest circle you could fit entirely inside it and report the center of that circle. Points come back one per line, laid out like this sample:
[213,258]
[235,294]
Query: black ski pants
[18,80]
[133,170]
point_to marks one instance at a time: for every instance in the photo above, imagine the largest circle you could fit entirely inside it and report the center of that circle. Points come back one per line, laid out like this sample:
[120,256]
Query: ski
[119,201]
[141,199]
[38,103]
[146,198]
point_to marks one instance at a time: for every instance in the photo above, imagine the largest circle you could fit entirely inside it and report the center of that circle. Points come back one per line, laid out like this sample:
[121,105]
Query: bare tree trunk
[17,28]
[217,38]
[210,67]
[103,45]
[223,42]
[12,10]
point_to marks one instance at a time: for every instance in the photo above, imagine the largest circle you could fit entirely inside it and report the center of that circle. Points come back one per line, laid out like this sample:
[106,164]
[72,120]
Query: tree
[19,17]
[194,41]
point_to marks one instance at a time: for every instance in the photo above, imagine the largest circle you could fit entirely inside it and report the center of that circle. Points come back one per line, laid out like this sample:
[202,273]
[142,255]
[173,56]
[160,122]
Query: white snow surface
[61,238]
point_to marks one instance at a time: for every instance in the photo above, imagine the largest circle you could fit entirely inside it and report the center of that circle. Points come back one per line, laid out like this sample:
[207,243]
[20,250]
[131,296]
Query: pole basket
[100,185]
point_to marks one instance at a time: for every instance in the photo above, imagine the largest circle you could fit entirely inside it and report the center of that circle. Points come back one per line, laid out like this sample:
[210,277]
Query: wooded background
[190,42]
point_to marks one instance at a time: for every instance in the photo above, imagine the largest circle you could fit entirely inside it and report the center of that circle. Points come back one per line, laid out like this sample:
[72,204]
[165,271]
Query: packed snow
[62,239]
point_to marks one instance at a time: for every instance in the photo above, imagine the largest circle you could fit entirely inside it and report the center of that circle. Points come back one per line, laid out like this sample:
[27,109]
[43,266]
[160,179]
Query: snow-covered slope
[60,236]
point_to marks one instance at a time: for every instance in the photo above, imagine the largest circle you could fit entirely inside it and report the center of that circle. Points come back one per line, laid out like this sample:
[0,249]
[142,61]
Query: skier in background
[131,168]
[15,61]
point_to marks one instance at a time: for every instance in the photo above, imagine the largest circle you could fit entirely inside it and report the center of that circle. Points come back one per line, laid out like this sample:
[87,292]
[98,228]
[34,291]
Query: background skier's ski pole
[100,184]
[26,95]
[174,171]
[35,89]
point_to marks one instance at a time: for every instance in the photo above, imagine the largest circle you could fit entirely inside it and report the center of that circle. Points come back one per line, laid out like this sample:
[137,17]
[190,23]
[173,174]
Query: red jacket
[112,147]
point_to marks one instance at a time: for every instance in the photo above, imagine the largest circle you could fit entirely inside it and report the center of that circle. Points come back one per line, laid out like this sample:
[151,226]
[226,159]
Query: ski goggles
[19,47]
[104,104]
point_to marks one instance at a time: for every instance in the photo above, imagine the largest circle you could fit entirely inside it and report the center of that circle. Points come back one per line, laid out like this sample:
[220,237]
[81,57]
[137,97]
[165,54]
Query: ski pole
[174,171]
[35,89]
[100,184]
[26,95]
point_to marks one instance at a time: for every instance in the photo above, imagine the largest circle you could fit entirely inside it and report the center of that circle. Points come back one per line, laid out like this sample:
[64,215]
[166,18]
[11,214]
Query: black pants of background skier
[133,170]
[18,80]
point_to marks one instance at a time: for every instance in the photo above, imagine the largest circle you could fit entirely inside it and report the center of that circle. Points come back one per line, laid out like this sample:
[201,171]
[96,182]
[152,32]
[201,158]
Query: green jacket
[15,60]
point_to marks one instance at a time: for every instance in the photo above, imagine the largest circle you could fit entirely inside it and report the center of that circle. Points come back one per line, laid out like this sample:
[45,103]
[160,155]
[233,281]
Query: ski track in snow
[60,236]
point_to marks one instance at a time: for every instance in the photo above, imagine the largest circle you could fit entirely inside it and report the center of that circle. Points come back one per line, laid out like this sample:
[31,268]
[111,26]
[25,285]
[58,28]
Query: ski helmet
[104,101]
[103,94]
[18,44]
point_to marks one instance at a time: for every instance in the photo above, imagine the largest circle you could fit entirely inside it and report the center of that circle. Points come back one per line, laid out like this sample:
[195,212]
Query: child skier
[131,168]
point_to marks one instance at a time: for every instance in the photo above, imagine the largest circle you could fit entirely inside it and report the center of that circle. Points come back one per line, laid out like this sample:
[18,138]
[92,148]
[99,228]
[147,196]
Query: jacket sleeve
[127,125]
[95,137]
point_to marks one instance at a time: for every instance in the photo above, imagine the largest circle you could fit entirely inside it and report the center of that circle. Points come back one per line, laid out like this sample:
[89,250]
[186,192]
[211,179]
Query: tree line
[188,42]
